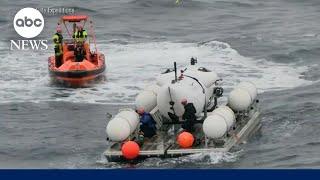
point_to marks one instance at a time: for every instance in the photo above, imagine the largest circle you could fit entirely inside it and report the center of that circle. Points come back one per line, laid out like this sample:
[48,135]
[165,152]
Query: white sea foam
[24,75]
[199,160]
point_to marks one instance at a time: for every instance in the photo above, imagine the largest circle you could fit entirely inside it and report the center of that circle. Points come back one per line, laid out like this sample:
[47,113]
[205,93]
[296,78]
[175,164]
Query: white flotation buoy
[239,99]
[250,87]
[227,114]
[146,100]
[131,117]
[118,129]
[215,126]
[242,96]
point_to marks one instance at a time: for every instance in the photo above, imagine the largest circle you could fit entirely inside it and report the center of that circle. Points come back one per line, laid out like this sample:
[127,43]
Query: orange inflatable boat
[73,72]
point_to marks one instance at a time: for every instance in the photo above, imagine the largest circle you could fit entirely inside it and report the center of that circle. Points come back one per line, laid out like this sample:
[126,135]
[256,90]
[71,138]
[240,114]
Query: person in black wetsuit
[189,116]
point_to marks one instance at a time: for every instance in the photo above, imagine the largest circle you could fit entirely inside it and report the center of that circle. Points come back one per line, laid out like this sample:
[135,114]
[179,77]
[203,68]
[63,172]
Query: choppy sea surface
[274,44]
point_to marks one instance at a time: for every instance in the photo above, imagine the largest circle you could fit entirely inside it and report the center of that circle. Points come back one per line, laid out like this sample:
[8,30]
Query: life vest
[57,49]
[57,38]
[80,36]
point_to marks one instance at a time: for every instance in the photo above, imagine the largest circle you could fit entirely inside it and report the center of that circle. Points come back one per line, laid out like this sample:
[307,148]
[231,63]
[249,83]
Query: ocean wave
[130,67]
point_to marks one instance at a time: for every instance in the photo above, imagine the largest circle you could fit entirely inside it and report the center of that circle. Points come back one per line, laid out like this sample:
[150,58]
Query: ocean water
[274,44]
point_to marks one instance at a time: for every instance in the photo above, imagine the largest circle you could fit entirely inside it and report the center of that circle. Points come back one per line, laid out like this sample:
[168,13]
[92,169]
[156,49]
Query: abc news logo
[28,23]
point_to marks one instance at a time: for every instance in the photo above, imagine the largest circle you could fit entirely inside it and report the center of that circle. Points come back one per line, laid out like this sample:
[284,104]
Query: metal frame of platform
[164,145]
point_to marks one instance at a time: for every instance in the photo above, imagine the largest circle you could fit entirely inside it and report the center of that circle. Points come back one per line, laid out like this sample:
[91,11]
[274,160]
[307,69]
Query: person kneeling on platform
[189,116]
[147,124]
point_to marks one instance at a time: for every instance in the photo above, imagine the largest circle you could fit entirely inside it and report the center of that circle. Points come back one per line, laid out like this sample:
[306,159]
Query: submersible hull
[218,127]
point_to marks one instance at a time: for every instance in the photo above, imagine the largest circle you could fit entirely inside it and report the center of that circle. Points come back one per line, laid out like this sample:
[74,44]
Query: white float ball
[227,113]
[214,126]
[118,129]
[132,118]
[146,100]
[239,99]
[250,87]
